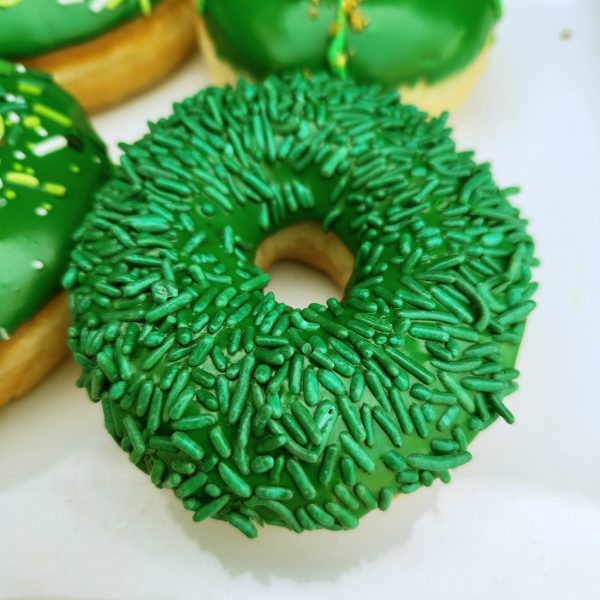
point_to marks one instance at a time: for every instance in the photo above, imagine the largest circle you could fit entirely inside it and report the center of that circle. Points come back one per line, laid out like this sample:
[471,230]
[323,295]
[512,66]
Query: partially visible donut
[434,51]
[101,52]
[256,412]
[51,163]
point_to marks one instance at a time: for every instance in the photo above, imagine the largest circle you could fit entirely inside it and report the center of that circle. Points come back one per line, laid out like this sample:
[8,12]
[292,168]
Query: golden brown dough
[37,347]
[306,243]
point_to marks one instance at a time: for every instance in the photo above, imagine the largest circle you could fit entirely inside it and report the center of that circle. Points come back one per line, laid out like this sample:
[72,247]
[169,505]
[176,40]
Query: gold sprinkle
[341,60]
[334,29]
[357,20]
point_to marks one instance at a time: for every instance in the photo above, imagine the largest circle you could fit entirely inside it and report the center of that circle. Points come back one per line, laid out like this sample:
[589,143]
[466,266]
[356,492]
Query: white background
[522,520]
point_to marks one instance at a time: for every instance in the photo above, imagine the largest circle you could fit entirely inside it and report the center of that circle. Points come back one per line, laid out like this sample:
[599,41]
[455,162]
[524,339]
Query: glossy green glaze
[32,27]
[403,41]
[256,412]
[51,163]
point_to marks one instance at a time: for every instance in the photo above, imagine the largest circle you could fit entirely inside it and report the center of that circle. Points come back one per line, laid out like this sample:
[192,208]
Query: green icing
[32,27]
[255,412]
[385,41]
[51,162]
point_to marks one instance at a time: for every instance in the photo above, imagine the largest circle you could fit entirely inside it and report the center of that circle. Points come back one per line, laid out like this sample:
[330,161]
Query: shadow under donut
[316,556]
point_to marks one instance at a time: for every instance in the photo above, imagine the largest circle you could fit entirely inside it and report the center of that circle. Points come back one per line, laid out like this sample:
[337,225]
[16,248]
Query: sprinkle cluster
[45,142]
[22,115]
[347,14]
[254,412]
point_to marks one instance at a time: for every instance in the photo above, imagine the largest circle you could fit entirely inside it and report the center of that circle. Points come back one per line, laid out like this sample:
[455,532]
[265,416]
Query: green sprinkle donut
[253,411]
[51,163]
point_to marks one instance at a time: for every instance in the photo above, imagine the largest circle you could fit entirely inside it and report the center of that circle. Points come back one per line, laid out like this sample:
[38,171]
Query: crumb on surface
[566,34]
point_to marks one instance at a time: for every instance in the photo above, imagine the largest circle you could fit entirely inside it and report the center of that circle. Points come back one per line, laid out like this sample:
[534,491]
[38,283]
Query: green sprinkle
[330,460]
[311,387]
[331,382]
[352,420]
[23,179]
[274,493]
[386,495]
[53,115]
[211,508]
[136,437]
[448,417]
[241,391]
[411,366]
[429,333]
[455,388]
[395,461]
[388,426]
[301,479]
[234,482]
[501,409]
[191,485]
[358,454]
[307,422]
[459,366]
[438,463]
[187,445]
[483,385]
[201,351]
[262,464]
[345,518]
[169,307]
[516,313]
[220,442]
[256,283]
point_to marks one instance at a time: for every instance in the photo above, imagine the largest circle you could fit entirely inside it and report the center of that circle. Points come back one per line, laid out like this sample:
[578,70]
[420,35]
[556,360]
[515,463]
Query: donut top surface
[32,27]
[253,411]
[390,42]
[51,162]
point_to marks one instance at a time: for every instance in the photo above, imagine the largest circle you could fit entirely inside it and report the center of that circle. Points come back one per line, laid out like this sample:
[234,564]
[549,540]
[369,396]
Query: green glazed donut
[33,27]
[51,163]
[434,50]
[252,411]
[101,51]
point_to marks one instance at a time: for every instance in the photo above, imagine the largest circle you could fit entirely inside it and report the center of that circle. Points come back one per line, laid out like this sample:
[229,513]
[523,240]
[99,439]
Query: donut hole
[305,262]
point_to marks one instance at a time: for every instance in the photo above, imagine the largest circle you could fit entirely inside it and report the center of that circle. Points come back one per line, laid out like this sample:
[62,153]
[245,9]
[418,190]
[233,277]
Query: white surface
[522,520]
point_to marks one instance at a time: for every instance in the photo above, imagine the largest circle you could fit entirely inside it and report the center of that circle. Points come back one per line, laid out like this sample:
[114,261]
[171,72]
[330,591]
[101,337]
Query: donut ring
[433,51]
[51,163]
[101,52]
[254,412]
